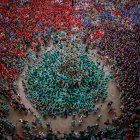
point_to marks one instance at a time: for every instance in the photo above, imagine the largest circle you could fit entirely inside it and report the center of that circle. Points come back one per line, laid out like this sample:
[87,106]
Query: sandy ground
[64,125]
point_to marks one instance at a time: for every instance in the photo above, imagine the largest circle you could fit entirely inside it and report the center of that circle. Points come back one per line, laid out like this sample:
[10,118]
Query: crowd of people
[113,31]
[66,72]
[125,55]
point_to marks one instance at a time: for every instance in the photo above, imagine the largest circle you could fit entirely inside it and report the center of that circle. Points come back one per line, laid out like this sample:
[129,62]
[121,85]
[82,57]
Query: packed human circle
[69,69]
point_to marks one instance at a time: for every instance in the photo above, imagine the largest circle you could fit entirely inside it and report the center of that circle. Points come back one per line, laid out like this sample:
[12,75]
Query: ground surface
[62,124]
